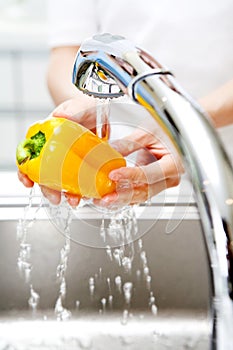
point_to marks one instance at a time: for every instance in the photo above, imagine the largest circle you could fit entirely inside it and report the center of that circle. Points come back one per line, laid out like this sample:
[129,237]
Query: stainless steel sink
[180,283]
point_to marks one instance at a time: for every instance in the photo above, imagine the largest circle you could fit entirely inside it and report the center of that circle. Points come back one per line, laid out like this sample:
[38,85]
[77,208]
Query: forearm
[219,105]
[59,76]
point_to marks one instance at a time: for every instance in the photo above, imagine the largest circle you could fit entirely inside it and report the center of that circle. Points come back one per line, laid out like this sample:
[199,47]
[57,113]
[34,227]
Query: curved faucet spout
[110,66]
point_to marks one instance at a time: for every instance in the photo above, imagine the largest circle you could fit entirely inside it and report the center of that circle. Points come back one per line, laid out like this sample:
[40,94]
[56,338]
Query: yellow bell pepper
[65,156]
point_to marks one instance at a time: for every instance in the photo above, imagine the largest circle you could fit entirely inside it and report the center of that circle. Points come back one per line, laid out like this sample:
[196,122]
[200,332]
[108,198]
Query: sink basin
[170,309]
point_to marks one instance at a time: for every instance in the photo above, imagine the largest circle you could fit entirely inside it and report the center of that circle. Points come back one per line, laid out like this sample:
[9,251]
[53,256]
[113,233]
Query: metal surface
[180,282]
[192,135]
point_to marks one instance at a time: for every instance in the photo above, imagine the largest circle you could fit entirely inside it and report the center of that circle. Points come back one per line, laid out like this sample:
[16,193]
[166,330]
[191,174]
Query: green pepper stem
[30,148]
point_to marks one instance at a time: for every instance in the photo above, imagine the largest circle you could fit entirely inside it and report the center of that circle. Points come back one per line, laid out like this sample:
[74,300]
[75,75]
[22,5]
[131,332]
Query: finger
[147,174]
[25,179]
[115,200]
[136,194]
[160,170]
[53,196]
[139,138]
[80,110]
[125,147]
[145,157]
[72,199]
[86,118]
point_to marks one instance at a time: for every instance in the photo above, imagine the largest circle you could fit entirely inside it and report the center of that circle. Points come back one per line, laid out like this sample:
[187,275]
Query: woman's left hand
[157,168]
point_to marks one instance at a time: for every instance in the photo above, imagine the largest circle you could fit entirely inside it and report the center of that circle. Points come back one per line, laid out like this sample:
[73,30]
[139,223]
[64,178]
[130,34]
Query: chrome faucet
[111,66]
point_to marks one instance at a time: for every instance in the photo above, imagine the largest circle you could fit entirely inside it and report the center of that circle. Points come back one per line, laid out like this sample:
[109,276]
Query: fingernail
[73,202]
[53,199]
[110,198]
[62,115]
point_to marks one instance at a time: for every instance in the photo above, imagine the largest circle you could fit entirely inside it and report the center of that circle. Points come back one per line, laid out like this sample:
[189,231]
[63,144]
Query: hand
[53,196]
[158,167]
[83,111]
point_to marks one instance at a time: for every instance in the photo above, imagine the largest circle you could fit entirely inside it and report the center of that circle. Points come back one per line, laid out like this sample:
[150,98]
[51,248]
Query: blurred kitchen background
[23,62]
[24,97]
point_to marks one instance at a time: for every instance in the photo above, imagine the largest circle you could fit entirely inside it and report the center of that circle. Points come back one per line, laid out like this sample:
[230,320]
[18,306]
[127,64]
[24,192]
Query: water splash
[152,305]
[118,284]
[104,302]
[109,252]
[33,301]
[122,227]
[125,317]
[62,314]
[77,304]
[24,223]
[110,301]
[109,284]
[91,286]
[24,264]
[128,289]
[127,264]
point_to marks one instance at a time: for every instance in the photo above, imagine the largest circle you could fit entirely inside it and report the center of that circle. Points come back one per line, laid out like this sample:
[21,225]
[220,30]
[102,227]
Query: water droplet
[116,255]
[154,309]
[27,273]
[34,299]
[25,250]
[19,230]
[103,302]
[146,271]
[77,304]
[110,301]
[118,283]
[109,252]
[140,246]
[57,130]
[125,317]
[51,147]
[151,300]
[91,286]
[91,280]
[61,313]
[109,284]
[138,275]
[148,282]
[127,264]
[143,258]
[127,289]
[63,287]
[102,231]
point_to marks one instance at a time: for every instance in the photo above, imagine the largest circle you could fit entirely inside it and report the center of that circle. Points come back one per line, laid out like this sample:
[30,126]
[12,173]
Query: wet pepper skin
[72,159]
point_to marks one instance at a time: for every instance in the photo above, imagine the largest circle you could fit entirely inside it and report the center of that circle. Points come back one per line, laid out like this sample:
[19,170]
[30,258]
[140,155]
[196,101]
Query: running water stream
[120,225]
[24,256]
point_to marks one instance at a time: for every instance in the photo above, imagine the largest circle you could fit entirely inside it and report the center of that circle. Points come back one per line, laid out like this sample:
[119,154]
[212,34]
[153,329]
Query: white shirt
[193,38]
